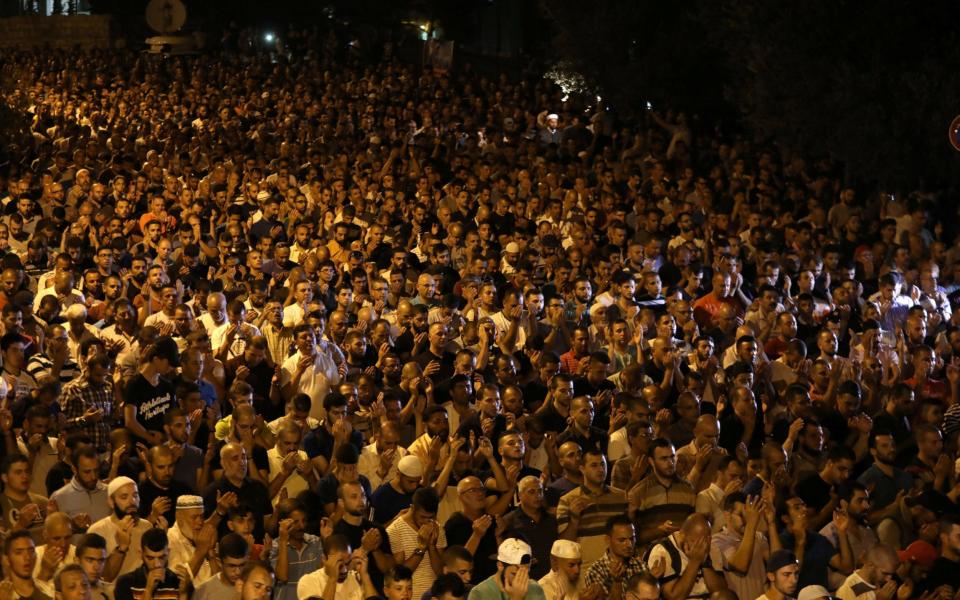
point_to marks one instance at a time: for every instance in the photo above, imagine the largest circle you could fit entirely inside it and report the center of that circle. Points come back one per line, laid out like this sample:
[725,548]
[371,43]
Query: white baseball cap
[514,552]
[814,592]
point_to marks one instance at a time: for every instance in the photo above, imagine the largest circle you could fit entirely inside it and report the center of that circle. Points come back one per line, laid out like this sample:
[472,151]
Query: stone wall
[88,31]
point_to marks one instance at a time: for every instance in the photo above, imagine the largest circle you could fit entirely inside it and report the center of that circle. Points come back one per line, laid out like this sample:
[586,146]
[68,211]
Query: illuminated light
[269,37]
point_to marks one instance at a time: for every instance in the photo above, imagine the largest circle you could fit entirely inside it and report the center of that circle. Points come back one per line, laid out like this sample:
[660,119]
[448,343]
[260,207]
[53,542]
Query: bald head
[706,432]
[696,526]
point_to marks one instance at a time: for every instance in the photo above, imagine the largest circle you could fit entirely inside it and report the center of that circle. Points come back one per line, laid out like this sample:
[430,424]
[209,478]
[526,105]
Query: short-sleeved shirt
[539,534]
[215,589]
[675,562]
[403,541]
[657,503]
[723,548]
[459,528]
[300,563]
[885,489]
[592,529]
[151,401]
[355,534]
[489,590]
[387,503]
[817,553]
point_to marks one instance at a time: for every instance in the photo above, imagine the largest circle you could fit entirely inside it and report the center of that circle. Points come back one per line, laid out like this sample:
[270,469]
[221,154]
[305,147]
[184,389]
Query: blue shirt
[307,560]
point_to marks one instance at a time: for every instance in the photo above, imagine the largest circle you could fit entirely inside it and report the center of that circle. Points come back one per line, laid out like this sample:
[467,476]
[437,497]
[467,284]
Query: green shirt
[489,590]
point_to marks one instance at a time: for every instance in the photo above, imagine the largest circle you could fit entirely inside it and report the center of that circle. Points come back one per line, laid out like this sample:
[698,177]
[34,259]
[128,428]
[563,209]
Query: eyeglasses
[474,490]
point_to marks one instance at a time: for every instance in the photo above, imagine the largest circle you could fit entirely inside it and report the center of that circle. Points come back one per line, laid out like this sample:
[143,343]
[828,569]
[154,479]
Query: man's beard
[121,514]
[357,512]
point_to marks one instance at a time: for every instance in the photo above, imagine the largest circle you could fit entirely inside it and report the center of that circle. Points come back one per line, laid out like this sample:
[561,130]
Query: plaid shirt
[600,571]
[81,395]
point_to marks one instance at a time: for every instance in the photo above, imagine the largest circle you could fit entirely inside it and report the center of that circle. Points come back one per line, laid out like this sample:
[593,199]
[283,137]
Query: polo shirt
[300,563]
[592,529]
[539,534]
[657,504]
[74,499]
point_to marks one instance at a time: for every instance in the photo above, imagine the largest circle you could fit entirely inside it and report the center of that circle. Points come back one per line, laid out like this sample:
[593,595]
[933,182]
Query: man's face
[92,560]
[354,500]
[161,469]
[594,469]
[785,580]
[155,559]
[859,505]
[623,541]
[22,556]
[885,451]
[126,500]
[664,461]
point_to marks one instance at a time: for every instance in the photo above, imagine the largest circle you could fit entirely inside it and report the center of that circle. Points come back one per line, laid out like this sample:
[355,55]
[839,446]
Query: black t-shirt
[354,533]
[387,503]
[944,571]
[814,491]
[458,530]
[151,402]
[150,492]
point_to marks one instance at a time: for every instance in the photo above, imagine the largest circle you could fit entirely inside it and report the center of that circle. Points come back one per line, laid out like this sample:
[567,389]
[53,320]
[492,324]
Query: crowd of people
[296,326]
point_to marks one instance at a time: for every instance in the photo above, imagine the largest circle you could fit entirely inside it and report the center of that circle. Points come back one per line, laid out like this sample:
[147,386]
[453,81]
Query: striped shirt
[300,562]
[592,529]
[41,365]
[657,503]
[403,541]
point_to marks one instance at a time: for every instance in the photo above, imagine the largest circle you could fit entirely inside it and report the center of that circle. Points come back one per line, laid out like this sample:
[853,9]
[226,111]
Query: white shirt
[296,482]
[312,585]
[618,446]
[315,382]
[239,345]
[708,503]
[556,586]
[370,462]
[292,315]
[47,585]
[208,324]
[502,324]
[181,551]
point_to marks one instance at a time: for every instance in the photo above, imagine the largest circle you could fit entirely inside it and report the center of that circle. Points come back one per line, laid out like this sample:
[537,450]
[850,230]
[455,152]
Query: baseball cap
[565,549]
[411,466]
[514,552]
[813,592]
[919,552]
[779,560]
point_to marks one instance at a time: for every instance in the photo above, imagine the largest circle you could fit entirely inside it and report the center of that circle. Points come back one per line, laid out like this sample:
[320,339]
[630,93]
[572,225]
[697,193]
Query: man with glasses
[473,528]
[234,553]
[532,522]
[55,361]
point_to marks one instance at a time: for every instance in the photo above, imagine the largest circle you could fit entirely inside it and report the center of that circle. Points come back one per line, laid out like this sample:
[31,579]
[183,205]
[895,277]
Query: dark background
[872,85]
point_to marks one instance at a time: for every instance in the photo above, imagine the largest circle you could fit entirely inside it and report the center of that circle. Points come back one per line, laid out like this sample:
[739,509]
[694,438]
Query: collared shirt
[723,548]
[556,586]
[74,499]
[300,562]
[369,464]
[81,395]
[47,585]
[279,341]
[599,572]
[315,382]
[663,551]
[658,503]
[540,534]
[182,550]
[592,529]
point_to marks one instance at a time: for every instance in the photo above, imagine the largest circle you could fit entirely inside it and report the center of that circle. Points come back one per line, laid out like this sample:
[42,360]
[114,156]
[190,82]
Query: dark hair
[10,339]
[616,520]
[16,535]
[233,545]
[838,453]
[334,400]
[448,583]
[91,540]
[10,460]
[658,443]
[426,499]
[154,539]
[72,568]
[452,553]
[845,491]
[731,499]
